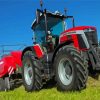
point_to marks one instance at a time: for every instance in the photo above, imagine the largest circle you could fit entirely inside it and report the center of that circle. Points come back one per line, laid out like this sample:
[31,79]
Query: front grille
[92,37]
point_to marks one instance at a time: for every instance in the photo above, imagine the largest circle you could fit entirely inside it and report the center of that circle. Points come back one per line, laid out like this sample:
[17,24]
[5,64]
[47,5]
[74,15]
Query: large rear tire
[70,69]
[31,72]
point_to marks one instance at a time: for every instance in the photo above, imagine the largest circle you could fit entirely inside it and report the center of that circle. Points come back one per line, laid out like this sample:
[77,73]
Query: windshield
[58,29]
[55,25]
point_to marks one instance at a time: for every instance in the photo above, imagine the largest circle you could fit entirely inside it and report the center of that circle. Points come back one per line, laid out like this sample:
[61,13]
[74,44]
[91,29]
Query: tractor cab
[47,27]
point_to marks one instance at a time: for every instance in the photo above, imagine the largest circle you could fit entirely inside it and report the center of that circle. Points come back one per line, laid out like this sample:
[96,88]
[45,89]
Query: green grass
[92,92]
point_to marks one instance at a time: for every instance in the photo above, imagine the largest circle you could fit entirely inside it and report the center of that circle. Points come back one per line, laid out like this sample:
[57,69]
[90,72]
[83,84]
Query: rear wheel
[31,72]
[71,69]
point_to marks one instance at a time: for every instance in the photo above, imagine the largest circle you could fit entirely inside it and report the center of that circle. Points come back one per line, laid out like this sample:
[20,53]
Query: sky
[16,17]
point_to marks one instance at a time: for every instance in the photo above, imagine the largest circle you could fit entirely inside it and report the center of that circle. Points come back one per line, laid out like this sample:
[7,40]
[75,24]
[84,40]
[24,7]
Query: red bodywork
[79,28]
[63,38]
[71,35]
[38,51]
[8,63]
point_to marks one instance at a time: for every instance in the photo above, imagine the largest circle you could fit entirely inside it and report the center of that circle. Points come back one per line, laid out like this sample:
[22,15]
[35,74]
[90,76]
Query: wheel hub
[65,71]
[68,69]
[28,73]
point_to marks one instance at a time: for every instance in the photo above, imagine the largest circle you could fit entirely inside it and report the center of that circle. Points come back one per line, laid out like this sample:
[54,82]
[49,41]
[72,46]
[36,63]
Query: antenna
[41,4]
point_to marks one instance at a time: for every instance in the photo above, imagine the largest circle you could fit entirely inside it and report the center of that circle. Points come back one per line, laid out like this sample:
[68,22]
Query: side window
[40,36]
[58,29]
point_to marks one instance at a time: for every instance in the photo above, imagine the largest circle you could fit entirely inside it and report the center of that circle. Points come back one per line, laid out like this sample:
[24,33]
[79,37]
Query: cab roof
[50,17]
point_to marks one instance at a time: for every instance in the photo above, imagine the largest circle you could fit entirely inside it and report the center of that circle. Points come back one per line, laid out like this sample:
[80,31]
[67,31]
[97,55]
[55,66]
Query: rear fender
[60,46]
[36,49]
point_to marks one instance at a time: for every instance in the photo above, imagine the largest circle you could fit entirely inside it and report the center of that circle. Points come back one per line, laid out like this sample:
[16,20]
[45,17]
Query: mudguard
[36,49]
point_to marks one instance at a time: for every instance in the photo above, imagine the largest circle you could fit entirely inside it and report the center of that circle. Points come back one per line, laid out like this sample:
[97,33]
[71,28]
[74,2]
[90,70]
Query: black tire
[78,69]
[36,81]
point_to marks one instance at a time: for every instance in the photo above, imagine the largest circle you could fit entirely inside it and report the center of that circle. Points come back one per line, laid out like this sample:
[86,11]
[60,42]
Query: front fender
[36,49]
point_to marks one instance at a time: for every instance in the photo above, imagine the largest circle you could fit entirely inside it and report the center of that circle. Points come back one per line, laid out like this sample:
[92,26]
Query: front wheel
[70,69]
[31,72]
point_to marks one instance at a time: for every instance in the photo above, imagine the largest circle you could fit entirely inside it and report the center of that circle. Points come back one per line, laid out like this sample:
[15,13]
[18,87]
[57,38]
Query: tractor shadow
[49,84]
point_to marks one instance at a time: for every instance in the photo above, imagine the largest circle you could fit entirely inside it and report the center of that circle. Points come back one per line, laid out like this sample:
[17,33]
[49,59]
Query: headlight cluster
[89,30]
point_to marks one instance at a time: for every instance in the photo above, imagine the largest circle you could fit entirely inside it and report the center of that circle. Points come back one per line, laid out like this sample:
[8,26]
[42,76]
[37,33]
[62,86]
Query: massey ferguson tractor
[66,56]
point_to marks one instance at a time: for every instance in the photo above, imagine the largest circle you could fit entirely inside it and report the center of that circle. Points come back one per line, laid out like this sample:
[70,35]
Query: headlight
[89,30]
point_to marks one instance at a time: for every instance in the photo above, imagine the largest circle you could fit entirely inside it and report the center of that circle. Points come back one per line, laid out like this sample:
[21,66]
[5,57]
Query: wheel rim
[65,71]
[28,72]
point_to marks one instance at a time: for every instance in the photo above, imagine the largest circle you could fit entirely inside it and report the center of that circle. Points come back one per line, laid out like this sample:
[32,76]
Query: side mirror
[37,16]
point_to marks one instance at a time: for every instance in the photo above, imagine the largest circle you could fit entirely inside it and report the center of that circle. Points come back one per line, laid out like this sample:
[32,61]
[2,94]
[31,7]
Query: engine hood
[80,28]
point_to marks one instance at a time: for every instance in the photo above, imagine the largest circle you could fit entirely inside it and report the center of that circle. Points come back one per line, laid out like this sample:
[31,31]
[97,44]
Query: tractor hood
[87,34]
[79,28]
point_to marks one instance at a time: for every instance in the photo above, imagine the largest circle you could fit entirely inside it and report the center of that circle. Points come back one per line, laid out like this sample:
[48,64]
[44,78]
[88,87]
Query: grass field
[92,92]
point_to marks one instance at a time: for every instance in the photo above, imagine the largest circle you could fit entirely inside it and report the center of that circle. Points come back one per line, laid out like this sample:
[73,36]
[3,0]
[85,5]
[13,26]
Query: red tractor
[65,55]
[9,74]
